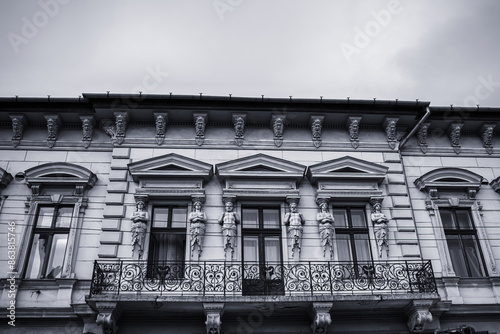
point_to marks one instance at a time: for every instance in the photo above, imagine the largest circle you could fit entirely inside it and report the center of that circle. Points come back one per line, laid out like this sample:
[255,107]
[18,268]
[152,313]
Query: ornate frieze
[454,132]
[228,220]
[239,128]
[389,125]
[197,220]
[161,120]
[353,126]
[320,312]
[278,125]
[200,122]
[380,225]
[486,132]
[418,315]
[139,227]
[316,123]
[19,121]
[214,312]
[294,222]
[422,136]
[53,125]
[87,129]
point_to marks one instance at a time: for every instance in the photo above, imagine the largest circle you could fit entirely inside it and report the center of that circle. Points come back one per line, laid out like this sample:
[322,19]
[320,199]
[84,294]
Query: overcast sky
[446,52]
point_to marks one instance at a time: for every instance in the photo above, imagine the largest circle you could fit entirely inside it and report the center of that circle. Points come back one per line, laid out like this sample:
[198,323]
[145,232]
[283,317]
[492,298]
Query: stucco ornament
[316,127]
[326,229]
[239,129]
[294,222]
[380,227]
[422,136]
[121,127]
[53,124]
[197,220]
[353,126]
[418,320]
[228,221]
[391,131]
[454,131]
[87,129]
[139,219]
[200,121]
[487,136]
[161,126]
[18,124]
[278,124]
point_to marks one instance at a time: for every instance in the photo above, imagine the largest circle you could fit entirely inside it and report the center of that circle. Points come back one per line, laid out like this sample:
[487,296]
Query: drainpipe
[415,128]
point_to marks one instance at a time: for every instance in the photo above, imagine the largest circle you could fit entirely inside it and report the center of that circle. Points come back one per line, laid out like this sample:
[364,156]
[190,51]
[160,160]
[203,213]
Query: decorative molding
[353,126]
[320,313]
[214,312]
[88,122]
[486,132]
[53,125]
[422,136]
[161,121]
[200,122]
[19,122]
[391,131]
[316,123]
[419,315]
[239,128]
[278,126]
[454,131]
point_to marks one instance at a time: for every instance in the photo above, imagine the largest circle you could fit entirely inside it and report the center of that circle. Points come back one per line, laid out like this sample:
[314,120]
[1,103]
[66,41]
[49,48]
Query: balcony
[251,279]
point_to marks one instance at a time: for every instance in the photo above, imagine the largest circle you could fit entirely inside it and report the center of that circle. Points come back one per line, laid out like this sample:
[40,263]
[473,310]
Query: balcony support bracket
[320,313]
[419,315]
[214,312]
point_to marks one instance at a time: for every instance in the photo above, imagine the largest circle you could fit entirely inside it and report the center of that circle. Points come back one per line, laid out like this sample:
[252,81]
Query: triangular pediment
[170,166]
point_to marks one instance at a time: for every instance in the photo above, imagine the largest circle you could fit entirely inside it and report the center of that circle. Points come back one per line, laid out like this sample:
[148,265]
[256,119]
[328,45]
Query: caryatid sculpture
[380,227]
[197,220]
[139,227]
[294,222]
[228,221]
[326,229]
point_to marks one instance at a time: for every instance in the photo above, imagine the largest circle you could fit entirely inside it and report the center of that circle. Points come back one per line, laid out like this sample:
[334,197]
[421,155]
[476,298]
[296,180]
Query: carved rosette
[422,136]
[316,123]
[353,126]
[278,125]
[19,121]
[214,312]
[418,315]
[320,313]
[486,132]
[161,120]
[239,128]
[121,120]
[391,131]
[53,125]
[200,122]
[87,129]
[454,131]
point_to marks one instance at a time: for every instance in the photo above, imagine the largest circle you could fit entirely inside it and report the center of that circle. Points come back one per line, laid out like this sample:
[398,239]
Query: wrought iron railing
[224,278]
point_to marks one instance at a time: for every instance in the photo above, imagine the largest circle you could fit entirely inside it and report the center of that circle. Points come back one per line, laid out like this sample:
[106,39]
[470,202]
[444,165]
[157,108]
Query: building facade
[196,214]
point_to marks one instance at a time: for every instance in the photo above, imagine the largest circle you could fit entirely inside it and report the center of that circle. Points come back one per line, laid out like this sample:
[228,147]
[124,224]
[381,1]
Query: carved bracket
[214,312]
[121,120]
[320,313]
[239,128]
[200,122]
[422,136]
[278,125]
[19,122]
[418,315]
[454,131]
[486,132]
[316,123]
[53,125]
[161,120]
[88,123]
[353,126]
[391,131]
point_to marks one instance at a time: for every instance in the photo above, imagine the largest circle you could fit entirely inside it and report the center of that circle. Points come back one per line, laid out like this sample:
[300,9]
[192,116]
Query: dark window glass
[353,243]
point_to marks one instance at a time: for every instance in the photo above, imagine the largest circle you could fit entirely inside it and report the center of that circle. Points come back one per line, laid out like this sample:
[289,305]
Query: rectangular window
[167,244]
[262,253]
[461,236]
[48,244]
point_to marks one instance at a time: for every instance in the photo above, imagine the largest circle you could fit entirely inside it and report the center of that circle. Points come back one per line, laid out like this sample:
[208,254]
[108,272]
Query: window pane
[358,218]
[271,218]
[169,247]
[179,217]
[447,219]
[64,217]
[362,247]
[463,218]
[250,218]
[344,247]
[272,249]
[340,216]
[37,256]
[473,255]
[45,215]
[251,249]
[160,217]
[457,257]
[56,258]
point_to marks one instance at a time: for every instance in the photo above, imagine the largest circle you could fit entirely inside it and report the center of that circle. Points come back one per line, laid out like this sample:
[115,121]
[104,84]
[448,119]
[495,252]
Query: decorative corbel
[320,313]
[278,125]
[214,312]
[418,315]
[316,123]
[239,128]
[88,123]
[390,130]
[19,122]
[161,120]
[200,122]
[422,136]
[353,126]
[108,318]
[454,131]
[486,132]
[53,125]
[121,121]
